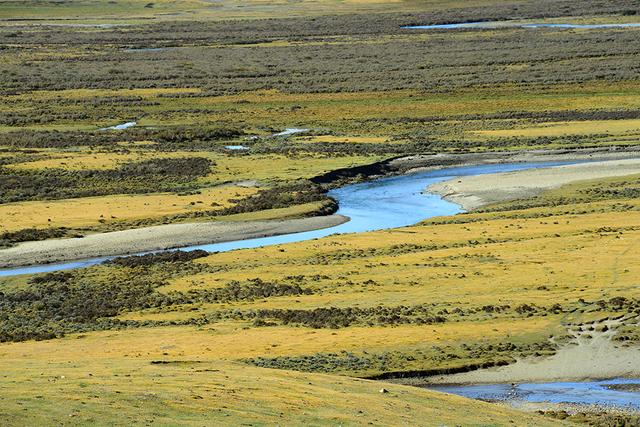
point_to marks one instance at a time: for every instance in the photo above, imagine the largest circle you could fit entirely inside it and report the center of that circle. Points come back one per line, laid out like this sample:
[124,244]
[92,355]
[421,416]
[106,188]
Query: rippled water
[380,204]
[582,393]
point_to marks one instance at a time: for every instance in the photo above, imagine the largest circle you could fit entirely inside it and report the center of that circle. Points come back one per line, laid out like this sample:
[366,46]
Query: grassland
[93,211]
[119,390]
[280,335]
[504,265]
[357,305]
[364,87]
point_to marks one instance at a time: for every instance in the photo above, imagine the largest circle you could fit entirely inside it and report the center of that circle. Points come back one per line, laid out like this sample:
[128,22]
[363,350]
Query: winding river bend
[380,204]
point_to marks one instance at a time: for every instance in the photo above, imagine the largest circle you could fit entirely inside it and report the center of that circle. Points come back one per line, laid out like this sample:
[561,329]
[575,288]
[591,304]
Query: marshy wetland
[230,120]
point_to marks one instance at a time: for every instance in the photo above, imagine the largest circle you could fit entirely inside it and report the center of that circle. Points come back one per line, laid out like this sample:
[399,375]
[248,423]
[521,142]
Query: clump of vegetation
[147,176]
[599,419]
[155,258]
[51,305]
[333,317]
[281,196]
[10,238]
[434,360]
[57,304]
[253,289]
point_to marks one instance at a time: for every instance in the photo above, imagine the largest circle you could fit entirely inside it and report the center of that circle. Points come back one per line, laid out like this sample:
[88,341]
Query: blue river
[375,205]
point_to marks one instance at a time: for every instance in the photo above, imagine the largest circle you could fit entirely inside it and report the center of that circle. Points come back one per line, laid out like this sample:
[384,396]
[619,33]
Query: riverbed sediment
[471,192]
[155,238]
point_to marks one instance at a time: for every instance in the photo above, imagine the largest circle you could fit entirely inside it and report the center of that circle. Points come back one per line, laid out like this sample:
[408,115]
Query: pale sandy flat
[587,356]
[471,192]
[156,238]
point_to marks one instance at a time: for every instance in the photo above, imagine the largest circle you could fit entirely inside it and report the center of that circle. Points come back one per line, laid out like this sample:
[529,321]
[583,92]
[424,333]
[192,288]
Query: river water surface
[380,204]
[619,393]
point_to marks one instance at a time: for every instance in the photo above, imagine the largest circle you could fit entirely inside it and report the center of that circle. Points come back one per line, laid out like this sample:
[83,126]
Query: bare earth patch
[471,192]
[156,238]
[588,355]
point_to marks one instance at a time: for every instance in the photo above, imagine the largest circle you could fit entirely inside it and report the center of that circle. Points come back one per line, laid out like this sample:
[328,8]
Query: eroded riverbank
[592,371]
[590,354]
[156,238]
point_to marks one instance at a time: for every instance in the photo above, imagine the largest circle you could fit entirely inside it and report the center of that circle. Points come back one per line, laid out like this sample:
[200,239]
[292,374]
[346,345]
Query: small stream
[121,126]
[288,132]
[236,147]
[617,393]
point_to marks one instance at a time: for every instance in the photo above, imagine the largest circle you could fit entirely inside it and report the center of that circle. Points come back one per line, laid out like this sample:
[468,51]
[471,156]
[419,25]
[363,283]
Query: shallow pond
[289,132]
[236,147]
[122,126]
[619,393]
[380,204]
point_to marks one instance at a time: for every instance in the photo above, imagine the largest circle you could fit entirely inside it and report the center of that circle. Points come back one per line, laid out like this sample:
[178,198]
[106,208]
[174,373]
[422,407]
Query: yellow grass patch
[84,160]
[232,341]
[535,260]
[560,258]
[132,391]
[273,168]
[616,127]
[226,168]
[337,110]
[90,211]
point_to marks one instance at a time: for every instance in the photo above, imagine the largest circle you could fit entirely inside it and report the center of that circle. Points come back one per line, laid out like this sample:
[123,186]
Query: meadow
[298,333]
[365,89]
[372,305]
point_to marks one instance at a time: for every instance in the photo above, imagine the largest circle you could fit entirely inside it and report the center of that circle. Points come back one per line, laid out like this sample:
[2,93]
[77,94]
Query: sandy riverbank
[589,355]
[155,238]
[471,192]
